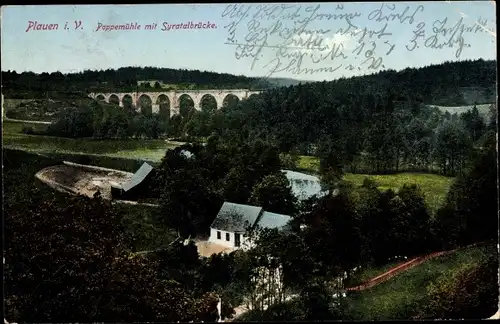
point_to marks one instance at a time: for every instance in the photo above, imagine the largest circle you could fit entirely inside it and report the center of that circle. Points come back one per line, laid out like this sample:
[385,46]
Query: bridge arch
[185,104]
[208,103]
[230,100]
[114,99]
[127,102]
[164,104]
[145,104]
[100,97]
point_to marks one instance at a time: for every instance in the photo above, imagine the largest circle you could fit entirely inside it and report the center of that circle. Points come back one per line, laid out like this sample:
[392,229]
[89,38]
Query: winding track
[404,267]
[27,121]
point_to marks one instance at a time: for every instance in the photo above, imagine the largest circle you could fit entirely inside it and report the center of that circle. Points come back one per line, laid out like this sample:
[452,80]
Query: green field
[434,187]
[149,150]
[403,295]
[308,164]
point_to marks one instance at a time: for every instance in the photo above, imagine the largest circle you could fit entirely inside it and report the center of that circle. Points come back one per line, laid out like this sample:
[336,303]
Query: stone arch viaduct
[173,97]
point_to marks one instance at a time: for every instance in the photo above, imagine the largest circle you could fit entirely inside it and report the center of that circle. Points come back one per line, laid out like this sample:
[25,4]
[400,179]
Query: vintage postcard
[250,162]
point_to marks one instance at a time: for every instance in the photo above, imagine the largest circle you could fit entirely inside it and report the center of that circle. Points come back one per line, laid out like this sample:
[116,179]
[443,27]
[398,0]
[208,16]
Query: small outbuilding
[132,189]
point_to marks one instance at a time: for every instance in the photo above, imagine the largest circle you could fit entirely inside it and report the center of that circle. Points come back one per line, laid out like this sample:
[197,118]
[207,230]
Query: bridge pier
[175,111]
[156,108]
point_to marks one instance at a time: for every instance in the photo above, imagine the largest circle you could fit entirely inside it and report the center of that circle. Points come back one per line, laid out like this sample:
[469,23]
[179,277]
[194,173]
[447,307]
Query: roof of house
[273,220]
[236,217]
[239,218]
[138,177]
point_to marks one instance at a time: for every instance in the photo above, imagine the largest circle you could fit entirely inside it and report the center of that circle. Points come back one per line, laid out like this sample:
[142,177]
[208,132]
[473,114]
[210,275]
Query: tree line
[388,138]
[376,124]
[98,120]
[28,85]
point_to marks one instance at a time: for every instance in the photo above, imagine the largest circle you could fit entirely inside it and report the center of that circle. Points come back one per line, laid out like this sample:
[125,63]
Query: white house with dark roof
[234,222]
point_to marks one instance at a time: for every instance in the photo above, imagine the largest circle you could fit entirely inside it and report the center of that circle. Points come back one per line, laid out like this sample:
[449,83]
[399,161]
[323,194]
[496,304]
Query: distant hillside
[484,110]
[42,109]
[479,95]
[350,110]
[29,85]
[285,82]
[448,84]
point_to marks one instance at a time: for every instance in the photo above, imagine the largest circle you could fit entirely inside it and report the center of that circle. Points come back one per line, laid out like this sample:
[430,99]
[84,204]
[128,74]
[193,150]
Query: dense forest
[379,123]
[360,225]
[29,85]
[376,123]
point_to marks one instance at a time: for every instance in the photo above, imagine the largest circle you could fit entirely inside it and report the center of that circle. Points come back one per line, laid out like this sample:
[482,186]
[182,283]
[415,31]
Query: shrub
[11,114]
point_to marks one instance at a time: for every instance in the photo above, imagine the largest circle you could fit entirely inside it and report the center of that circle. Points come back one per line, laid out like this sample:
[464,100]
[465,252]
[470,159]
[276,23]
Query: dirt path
[395,271]
[206,249]
[130,202]
[27,121]
[238,311]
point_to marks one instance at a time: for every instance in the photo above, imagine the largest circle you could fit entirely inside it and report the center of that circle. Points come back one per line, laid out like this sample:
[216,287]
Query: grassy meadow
[308,164]
[434,187]
[148,150]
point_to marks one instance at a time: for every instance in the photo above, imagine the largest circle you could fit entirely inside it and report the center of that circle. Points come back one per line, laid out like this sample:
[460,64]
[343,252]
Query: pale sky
[206,49]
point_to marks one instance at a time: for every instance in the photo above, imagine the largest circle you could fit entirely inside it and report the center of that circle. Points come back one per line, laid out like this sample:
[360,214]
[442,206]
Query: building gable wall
[245,242]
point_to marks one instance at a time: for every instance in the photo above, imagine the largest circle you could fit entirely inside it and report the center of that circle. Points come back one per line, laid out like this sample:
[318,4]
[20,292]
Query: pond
[304,185]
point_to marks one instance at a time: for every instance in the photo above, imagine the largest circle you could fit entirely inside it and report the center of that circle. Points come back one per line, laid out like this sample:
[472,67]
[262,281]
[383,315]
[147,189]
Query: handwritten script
[286,37]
